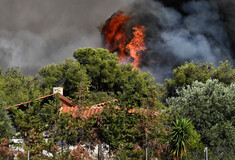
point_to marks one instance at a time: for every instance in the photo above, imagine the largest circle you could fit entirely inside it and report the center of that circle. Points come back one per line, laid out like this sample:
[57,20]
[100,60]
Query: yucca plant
[180,136]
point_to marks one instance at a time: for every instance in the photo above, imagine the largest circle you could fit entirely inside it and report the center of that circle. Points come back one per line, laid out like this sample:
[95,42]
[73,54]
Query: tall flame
[114,33]
[115,38]
[137,45]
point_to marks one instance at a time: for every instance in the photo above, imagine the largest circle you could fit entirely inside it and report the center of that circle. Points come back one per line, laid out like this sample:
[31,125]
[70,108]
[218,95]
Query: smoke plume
[34,33]
[183,30]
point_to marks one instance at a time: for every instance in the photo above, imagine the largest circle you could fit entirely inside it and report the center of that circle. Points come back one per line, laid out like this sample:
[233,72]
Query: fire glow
[115,39]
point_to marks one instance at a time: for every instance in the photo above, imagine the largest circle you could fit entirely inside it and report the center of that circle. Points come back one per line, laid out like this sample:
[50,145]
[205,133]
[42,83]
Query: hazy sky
[34,33]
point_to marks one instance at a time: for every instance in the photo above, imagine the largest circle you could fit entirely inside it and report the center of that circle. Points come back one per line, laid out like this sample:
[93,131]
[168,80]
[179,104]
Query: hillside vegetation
[176,119]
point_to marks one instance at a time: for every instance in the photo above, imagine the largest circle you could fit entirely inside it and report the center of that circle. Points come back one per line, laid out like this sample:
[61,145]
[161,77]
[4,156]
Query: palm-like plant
[182,131]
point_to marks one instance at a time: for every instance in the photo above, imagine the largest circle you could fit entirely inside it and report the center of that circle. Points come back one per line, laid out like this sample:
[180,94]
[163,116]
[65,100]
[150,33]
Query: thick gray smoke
[184,30]
[34,33]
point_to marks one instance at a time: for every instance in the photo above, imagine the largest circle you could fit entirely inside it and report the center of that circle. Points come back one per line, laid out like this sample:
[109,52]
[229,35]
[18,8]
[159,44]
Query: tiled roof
[92,111]
[96,110]
[86,112]
[103,104]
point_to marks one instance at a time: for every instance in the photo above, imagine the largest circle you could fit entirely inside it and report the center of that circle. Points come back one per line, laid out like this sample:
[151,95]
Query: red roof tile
[96,110]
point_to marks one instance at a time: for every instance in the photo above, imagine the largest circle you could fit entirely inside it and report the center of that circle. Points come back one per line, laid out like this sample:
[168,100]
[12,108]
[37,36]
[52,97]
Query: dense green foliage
[129,132]
[16,87]
[69,74]
[95,72]
[211,107]
[101,66]
[45,128]
[136,125]
[190,72]
[121,82]
[5,122]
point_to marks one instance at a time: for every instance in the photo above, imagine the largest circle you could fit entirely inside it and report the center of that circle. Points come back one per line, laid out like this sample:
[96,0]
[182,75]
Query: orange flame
[137,45]
[116,40]
[114,33]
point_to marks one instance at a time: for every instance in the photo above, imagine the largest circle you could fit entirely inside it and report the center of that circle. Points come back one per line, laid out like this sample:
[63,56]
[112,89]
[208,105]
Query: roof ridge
[103,103]
[62,97]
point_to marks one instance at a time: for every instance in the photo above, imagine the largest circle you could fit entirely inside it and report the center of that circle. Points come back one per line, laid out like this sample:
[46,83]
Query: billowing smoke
[183,30]
[34,33]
